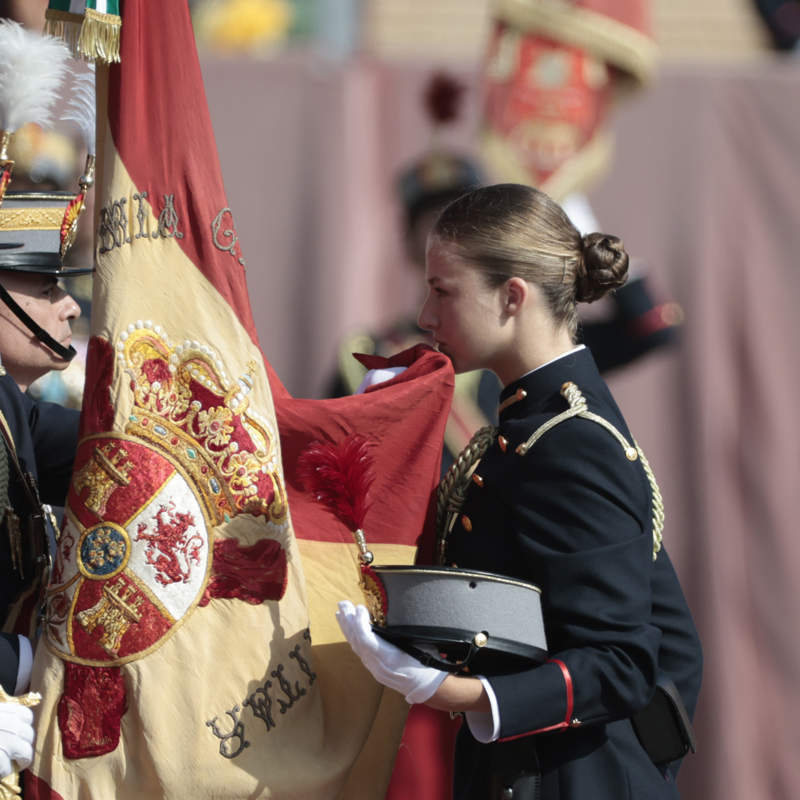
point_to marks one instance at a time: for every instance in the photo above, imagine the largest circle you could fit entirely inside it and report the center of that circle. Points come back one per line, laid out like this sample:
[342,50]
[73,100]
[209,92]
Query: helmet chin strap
[67,353]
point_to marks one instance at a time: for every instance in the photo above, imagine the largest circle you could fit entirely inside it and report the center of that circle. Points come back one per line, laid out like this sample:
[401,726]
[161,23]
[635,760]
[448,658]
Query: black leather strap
[67,353]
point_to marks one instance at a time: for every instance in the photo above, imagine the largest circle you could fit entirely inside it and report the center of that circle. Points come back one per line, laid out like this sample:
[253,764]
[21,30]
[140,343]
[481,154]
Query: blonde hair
[511,230]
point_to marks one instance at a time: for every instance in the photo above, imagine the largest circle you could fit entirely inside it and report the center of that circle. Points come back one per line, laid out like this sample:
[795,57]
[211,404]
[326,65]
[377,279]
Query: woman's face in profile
[463,314]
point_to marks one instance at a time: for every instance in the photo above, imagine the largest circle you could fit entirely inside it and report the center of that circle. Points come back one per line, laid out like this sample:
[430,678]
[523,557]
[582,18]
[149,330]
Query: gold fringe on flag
[65,26]
[93,36]
[99,37]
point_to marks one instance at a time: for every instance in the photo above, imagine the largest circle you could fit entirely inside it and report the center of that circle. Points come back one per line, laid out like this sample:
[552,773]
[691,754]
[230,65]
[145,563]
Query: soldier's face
[464,315]
[40,296]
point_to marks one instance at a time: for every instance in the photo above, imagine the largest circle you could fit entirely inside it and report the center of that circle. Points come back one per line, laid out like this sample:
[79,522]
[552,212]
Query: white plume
[81,108]
[31,72]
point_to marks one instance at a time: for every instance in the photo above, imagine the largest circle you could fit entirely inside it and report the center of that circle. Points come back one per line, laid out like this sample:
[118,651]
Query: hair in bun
[512,230]
[603,267]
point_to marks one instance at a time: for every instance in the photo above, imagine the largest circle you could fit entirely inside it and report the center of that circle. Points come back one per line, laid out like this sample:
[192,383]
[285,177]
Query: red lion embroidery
[172,549]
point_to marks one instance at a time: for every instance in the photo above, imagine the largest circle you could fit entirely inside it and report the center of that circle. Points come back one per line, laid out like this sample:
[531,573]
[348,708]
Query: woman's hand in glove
[389,665]
[16,738]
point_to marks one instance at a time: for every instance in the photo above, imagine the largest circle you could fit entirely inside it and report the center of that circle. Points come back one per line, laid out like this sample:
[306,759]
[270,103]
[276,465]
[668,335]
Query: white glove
[16,738]
[388,664]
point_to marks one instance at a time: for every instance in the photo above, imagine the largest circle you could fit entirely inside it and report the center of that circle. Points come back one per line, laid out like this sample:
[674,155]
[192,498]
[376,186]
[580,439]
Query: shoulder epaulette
[579,408]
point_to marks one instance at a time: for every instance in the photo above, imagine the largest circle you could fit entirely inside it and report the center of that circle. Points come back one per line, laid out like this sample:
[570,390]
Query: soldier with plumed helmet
[39,439]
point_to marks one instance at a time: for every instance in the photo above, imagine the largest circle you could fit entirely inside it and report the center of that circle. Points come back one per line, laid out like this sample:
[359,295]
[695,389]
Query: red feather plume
[339,476]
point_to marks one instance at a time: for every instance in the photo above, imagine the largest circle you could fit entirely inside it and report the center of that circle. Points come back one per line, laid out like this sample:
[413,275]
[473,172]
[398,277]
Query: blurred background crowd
[681,136]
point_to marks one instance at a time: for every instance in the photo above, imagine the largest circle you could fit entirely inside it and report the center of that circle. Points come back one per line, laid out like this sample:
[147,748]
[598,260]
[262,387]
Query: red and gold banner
[553,71]
[190,647]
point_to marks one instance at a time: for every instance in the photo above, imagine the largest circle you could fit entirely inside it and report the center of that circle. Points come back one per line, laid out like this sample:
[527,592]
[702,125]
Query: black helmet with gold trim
[35,233]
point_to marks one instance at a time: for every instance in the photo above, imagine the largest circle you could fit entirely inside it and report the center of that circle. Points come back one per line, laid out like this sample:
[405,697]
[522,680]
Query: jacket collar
[538,391]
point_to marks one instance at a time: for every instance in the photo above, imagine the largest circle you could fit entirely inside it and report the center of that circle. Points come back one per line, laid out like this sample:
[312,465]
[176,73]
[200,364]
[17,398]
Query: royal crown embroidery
[185,404]
[138,549]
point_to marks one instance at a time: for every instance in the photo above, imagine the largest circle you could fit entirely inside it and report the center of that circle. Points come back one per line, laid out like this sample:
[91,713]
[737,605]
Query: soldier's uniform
[39,438]
[44,437]
[573,510]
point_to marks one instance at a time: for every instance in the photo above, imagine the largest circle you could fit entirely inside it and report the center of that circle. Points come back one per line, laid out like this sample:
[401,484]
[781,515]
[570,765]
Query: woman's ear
[516,293]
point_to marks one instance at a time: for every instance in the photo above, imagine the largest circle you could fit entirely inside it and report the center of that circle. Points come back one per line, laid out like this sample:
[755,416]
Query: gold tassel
[64,26]
[99,38]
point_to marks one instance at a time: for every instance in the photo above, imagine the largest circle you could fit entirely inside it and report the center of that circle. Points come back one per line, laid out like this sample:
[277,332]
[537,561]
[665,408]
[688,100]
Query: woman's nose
[425,319]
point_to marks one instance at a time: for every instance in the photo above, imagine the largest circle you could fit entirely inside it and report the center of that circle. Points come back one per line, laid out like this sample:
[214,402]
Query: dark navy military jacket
[574,516]
[46,437]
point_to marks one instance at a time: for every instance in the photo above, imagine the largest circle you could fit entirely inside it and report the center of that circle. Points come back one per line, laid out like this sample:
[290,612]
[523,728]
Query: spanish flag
[190,648]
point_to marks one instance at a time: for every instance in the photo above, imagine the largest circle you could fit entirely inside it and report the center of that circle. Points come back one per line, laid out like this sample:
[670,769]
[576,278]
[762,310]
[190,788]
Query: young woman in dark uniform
[561,496]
